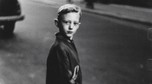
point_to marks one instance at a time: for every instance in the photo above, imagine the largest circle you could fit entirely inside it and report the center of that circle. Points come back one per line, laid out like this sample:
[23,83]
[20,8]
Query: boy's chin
[70,36]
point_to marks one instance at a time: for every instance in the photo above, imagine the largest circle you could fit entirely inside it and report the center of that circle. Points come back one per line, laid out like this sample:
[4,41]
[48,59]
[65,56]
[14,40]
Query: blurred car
[10,12]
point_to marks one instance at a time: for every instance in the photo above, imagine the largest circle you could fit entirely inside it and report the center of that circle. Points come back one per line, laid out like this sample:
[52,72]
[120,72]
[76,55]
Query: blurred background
[139,3]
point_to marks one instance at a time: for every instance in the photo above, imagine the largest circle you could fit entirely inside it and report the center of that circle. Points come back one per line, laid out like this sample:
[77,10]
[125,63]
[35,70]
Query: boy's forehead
[71,15]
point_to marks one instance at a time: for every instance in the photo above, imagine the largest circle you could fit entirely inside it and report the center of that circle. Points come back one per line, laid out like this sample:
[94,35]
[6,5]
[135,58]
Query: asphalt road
[111,51]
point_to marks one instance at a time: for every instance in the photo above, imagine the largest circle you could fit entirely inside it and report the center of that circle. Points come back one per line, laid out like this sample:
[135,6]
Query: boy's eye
[66,22]
[69,22]
[76,23]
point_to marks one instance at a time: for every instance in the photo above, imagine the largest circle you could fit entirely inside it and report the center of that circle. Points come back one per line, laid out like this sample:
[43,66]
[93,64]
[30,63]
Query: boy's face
[69,24]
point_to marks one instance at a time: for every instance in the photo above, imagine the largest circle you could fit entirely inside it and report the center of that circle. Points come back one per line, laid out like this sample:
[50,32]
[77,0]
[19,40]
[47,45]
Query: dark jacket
[63,63]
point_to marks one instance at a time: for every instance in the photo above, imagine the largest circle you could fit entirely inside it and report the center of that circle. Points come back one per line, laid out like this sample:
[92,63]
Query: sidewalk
[143,15]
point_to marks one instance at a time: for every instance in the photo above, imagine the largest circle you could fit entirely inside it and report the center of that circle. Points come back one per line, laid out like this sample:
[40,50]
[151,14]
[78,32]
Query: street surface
[111,51]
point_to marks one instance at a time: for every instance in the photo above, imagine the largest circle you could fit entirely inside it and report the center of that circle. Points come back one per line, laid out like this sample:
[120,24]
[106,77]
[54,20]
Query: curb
[118,16]
[103,13]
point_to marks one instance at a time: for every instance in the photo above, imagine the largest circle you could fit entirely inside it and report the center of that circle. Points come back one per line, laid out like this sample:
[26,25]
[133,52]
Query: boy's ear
[56,22]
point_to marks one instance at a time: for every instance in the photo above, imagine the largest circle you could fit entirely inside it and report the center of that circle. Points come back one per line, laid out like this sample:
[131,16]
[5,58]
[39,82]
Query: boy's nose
[71,26]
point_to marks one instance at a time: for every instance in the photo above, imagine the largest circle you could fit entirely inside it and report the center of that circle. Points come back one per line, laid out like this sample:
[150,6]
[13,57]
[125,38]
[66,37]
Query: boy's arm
[64,65]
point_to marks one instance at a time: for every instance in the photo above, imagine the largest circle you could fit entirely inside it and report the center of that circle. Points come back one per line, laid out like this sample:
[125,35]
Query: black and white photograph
[75,41]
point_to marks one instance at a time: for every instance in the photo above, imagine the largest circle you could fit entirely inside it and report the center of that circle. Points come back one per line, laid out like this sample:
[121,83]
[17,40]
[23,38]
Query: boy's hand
[75,75]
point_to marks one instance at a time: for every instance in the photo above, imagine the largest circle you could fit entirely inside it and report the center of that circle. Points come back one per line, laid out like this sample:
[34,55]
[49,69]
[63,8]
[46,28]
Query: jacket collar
[63,37]
[66,39]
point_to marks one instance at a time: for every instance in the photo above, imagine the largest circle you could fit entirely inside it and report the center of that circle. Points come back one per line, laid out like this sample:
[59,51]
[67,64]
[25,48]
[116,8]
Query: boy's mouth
[69,32]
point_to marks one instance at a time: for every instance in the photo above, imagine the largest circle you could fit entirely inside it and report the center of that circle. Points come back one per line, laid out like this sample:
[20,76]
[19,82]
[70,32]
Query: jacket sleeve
[64,65]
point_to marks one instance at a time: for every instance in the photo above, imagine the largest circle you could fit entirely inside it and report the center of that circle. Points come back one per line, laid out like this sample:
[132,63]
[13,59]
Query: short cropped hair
[67,8]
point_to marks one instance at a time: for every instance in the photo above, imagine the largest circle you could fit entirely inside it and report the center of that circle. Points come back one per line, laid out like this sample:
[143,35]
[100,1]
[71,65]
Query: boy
[63,62]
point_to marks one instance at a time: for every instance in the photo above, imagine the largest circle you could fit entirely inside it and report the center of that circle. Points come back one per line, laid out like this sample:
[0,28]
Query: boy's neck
[71,38]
